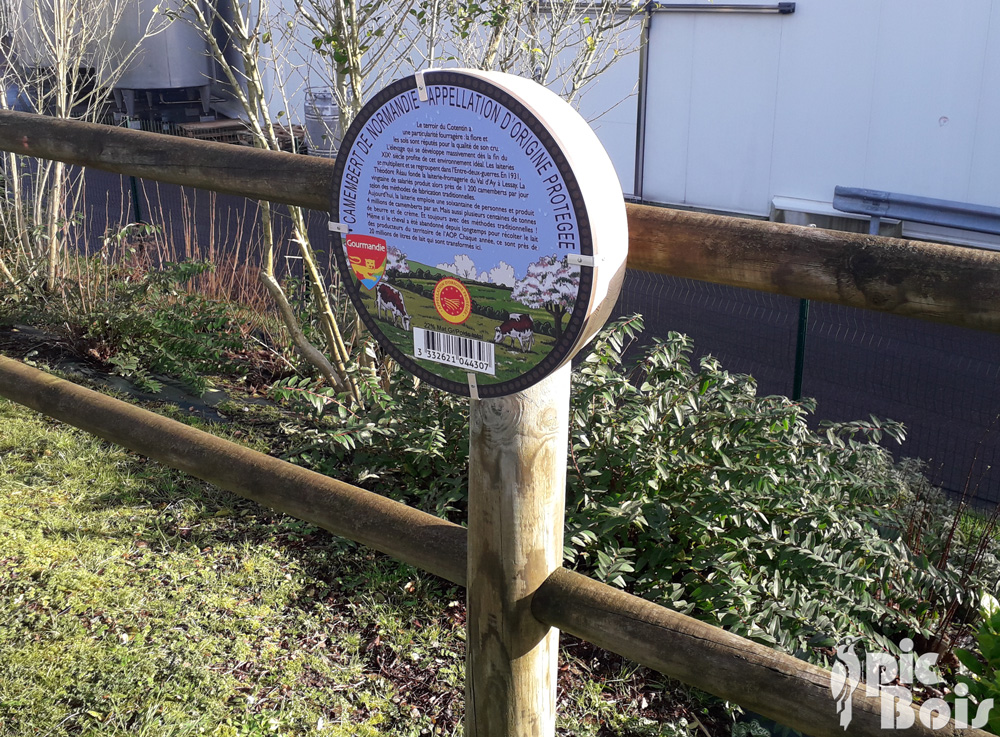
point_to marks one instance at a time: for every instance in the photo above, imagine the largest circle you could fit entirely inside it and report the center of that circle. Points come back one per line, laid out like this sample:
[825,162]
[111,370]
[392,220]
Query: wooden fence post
[517,479]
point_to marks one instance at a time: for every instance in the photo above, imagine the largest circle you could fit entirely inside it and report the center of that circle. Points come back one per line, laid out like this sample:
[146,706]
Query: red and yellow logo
[452,300]
[367,255]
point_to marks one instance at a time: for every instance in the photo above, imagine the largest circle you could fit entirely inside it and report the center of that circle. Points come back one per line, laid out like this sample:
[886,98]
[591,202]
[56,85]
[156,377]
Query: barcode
[454,350]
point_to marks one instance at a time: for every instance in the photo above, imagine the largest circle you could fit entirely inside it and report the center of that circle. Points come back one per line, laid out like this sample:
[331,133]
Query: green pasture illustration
[512,358]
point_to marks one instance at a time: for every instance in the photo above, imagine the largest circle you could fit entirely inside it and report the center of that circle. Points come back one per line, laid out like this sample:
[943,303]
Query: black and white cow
[517,327]
[390,301]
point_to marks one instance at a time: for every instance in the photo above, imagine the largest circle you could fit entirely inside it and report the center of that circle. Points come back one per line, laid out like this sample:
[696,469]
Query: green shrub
[140,321]
[412,446]
[983,678]
[687,488]
[154,325]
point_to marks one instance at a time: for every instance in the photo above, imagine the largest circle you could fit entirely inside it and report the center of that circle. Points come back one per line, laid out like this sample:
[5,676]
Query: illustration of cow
[517,327]
[390,300]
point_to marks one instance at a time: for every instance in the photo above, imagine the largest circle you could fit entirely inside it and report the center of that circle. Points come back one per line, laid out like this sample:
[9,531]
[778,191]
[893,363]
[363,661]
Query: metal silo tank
[178,56]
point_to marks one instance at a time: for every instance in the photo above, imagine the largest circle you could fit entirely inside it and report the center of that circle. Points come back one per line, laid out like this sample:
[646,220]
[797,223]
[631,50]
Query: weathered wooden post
[517,479]
[483,242]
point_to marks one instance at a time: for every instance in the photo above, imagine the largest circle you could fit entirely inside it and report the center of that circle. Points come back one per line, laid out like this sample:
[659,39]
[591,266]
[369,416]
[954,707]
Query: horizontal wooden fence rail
[944,283]
[766,681]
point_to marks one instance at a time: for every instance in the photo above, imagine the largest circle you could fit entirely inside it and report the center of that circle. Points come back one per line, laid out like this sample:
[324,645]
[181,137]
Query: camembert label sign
[468,248]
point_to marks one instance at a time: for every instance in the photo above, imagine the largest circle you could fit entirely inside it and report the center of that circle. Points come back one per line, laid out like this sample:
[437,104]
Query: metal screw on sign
[482,236]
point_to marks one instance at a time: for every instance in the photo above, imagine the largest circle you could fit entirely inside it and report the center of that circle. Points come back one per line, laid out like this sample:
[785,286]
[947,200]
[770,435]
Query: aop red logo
[452,300]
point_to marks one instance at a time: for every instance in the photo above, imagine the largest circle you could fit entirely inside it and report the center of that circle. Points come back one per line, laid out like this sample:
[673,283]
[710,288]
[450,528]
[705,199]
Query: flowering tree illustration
[396,262]
[550,284]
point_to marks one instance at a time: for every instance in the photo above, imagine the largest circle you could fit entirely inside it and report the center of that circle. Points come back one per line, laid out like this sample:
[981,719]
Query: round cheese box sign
[482,228]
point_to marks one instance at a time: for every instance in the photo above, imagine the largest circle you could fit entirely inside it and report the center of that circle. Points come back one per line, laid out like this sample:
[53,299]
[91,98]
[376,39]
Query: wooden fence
[950,284]
[943,283]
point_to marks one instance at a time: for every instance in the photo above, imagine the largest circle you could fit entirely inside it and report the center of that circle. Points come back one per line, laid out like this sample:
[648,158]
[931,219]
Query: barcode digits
[454,350]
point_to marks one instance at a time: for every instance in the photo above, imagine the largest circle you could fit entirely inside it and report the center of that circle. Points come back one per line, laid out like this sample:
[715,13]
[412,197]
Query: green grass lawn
[135,600]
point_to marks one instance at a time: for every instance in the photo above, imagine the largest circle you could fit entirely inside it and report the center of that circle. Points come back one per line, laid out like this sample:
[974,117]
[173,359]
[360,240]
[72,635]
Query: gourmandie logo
[888,679]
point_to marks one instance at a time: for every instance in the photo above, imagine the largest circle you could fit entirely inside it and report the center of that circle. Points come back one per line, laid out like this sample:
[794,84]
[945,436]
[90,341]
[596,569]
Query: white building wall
[711,90]
[899,95]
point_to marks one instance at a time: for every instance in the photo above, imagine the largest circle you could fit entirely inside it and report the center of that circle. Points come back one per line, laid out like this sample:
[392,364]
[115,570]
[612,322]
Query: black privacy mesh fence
[942,382]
